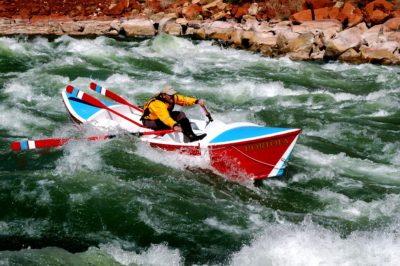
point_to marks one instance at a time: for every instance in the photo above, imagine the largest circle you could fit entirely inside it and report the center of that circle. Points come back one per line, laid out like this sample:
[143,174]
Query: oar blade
[37,144]
[85,97]
[112,95]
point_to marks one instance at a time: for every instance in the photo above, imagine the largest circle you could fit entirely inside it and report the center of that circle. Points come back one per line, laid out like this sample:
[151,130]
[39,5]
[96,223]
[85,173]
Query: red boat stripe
[214,146]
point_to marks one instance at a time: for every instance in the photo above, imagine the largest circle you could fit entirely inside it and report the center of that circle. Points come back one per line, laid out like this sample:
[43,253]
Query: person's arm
[185,100]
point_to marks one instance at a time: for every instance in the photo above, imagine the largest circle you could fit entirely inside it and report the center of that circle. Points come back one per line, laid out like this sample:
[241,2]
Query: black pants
[159,125]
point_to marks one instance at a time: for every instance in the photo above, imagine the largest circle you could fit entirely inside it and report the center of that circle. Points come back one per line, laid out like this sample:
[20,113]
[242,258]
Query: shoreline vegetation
[349,31]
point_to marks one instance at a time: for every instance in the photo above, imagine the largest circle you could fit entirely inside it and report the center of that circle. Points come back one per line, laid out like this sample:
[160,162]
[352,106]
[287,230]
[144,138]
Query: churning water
[118,202]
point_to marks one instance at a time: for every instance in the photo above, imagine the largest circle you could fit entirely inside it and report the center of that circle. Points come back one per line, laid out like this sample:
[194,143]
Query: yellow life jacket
[158,108]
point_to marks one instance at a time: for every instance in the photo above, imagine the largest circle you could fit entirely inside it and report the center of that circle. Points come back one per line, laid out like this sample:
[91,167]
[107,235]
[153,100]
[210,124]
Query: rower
[158,113]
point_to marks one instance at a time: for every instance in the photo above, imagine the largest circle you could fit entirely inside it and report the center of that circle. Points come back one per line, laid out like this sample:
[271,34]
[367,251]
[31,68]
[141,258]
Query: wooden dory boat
[238,151]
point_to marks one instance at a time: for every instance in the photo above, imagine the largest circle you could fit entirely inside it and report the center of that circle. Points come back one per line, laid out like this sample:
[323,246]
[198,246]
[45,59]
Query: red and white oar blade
[85,97]
[112,95]
[57,142]
[49,143]
[37,144]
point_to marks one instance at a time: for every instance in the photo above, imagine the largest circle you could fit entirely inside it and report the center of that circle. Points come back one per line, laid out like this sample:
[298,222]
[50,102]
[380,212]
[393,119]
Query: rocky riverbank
[333,31]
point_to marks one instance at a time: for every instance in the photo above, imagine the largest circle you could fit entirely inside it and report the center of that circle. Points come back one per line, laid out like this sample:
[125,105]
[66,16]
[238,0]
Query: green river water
[118,202]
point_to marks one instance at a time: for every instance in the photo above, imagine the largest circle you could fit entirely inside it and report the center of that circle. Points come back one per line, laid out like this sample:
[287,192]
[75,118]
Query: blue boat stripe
[238,133]
[24,145]
[75,92]
[98,89]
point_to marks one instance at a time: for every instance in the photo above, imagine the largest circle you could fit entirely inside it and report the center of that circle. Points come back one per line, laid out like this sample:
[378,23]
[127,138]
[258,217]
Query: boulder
[393,24]
[99,28]
[383,54]
[351,56]
[173,28]
[72,27]
[138,27]
[378,11]
[373,35]
[253,9]
[264,38]
[219,30]
[328,27]
[394,37]
[264,26]
[236,37]
[217,4]
[300,48]
[166,19]
[349,38]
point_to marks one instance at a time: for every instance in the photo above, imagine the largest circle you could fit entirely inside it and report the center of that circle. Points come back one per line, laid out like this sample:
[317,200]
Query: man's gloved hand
[177,128]
[201,102]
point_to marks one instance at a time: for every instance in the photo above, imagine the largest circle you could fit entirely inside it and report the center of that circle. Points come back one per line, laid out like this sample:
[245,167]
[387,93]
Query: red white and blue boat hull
[238,151]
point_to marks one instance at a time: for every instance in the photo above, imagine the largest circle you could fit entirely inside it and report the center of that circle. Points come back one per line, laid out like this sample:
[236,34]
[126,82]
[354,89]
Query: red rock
[334,13]
[242,10]
[378,11]
[135,5]
[393,24]
[316,4]
[191,12]
[25,13]
[351,14]
[304,15]
[37,19]
[117,8]
[322,13]
[395,14]
[155,5]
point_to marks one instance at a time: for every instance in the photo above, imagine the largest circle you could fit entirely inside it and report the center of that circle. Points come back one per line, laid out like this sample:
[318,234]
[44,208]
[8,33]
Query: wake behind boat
[238,150]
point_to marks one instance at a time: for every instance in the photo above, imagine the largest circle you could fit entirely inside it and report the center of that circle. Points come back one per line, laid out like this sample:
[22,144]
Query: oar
[207,113]
[93,101]
[113,96]
[56,142]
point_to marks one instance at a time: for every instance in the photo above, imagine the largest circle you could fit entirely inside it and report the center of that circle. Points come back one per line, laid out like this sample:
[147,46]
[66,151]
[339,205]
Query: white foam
[157,255]
[213,222]
[392,150]
[380,113]
[17,122]
[331,165]
[19,91]
[309,244]
[86,47]
[341,206]
[171,159]
[79,156]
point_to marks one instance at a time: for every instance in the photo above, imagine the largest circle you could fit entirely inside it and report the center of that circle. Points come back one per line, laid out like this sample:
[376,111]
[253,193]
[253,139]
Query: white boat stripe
[254,138]
[103,91]
[280,163]
[31,144]
[80,95]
